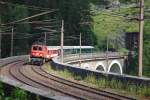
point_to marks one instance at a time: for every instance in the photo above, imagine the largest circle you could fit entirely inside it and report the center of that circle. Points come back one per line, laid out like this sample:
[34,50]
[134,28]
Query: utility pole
[45,38]
[12,41]
[107,50]
[140,48]
[80,51]
[0,40]
[62,41]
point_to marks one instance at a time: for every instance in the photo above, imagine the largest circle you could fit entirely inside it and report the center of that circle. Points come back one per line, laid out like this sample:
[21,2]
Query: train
[39,54]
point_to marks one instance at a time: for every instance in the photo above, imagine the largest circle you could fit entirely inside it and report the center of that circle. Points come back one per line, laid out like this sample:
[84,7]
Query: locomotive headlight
[33,53]
[37,53]
[47,56]
[41,54]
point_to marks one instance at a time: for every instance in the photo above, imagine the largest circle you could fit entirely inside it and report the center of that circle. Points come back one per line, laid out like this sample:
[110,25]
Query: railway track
[63,88]
[110,95]
[36,77]
[15,72]
[18,76]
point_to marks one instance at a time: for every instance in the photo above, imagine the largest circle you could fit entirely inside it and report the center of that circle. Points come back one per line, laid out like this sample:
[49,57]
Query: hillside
[110,24]
[99,21]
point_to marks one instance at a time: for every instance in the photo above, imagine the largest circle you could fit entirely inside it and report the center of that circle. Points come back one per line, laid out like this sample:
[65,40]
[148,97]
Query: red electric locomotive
[41,53]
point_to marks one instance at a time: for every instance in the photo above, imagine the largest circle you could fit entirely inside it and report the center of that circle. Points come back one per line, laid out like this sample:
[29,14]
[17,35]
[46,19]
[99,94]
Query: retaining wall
[127,79]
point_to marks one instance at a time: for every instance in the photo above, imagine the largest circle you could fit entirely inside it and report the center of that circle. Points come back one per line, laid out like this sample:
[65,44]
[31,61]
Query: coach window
[49,51]
[55,51]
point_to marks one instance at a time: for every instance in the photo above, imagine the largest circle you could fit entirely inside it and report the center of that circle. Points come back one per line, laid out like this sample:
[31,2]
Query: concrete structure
[112,65]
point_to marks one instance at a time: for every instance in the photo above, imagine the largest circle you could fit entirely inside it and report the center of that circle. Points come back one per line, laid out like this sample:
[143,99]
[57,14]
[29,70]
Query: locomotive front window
[40,48]
[35,48]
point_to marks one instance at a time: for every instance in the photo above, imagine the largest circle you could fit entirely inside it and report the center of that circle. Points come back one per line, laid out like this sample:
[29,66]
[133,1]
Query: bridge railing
[77,56]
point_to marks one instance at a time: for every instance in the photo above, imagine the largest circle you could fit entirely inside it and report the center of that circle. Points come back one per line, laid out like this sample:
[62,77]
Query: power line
[38,22]
[25,6]
[47,29]
[54,26]
[30,17]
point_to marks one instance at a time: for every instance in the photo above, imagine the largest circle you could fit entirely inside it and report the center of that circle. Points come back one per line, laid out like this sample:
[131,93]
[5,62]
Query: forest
[97,21]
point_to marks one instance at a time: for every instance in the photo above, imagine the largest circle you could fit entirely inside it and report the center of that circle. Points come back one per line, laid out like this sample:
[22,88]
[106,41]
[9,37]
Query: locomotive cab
[38,54]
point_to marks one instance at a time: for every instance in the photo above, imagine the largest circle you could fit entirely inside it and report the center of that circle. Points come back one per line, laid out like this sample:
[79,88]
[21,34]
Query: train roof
[70,47]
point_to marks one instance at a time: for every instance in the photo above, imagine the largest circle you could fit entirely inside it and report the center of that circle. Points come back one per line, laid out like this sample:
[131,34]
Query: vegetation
[116,26]
[99,21]
[15,94]
[146,58]
[111,23]
[74,13]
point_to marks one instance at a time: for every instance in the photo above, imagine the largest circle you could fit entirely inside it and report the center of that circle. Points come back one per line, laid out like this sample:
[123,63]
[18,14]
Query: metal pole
[141,25]
[45,38]
[80,51]
[62,41]
[107,51]
[0,40]
[0,45]
[12,41]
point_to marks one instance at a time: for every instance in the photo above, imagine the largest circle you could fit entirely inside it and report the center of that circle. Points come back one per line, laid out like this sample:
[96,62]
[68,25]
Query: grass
[139,91]
[16,94]
[19,94]
[114,24]
[107,24]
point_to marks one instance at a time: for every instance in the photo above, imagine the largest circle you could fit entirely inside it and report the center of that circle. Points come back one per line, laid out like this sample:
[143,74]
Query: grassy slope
[116,86]
[106,22]
[113,23]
